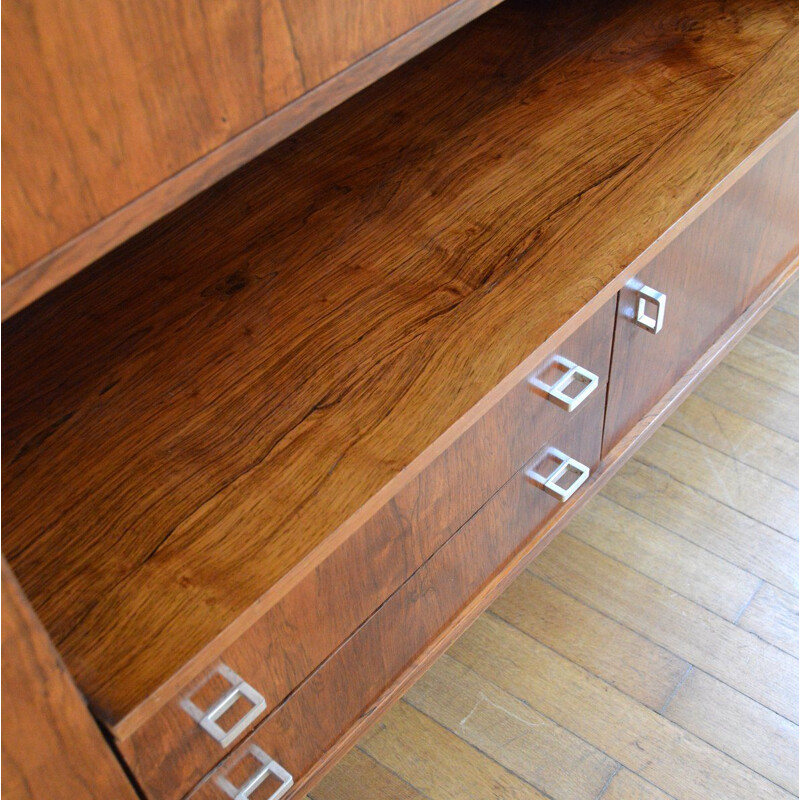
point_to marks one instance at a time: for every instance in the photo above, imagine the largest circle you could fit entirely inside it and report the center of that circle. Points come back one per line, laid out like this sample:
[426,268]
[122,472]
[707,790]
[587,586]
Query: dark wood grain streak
[52,748]
[313,55]
[316,327]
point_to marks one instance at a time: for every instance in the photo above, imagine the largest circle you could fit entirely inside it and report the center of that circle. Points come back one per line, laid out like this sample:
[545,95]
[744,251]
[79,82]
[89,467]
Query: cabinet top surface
[187,422]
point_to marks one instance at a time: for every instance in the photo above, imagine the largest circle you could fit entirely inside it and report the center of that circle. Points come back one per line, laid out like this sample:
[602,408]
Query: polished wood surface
[349,686]
[576,693]
[115,114]
[169,753]
[52,748]
[313,324]
[709,274]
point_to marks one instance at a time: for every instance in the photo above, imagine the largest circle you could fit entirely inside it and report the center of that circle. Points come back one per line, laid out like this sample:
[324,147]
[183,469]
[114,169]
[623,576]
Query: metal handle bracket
[269,766]
[208,719]
[550,483]
[557,392]
[644,296]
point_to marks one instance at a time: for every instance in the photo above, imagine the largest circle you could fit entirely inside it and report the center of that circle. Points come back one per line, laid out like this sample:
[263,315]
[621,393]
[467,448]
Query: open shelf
[189,419]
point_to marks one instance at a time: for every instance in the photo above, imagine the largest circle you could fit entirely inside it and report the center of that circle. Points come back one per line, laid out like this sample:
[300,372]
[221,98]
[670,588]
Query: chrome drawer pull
[269,766]
[565,465]
[207,719]
[573,374]
[646,295]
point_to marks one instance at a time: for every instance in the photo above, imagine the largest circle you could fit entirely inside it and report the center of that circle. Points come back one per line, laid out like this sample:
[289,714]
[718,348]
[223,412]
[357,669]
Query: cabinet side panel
[52,747]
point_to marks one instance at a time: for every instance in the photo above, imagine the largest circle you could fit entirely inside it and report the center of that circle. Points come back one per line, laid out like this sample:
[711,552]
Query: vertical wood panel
[52,747]
[329,35]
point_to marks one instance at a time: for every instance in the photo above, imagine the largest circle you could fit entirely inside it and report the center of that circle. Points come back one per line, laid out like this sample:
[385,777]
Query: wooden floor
[651,652]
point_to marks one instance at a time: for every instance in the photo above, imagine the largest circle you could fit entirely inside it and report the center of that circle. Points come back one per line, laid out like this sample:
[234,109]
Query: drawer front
[174,748]
[705,278]
[352,681]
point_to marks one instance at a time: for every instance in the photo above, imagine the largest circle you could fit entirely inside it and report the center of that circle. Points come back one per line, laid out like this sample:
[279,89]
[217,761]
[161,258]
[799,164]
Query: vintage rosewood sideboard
[321,319]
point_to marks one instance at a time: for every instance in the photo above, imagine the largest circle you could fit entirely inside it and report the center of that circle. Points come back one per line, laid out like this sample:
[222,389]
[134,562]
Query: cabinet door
[701,282]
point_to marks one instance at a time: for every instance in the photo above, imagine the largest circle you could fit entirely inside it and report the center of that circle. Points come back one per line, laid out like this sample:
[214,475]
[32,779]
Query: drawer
[349,685]
[702,282]
[171,750]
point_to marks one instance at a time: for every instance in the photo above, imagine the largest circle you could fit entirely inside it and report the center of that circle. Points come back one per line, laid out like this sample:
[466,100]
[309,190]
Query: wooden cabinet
[265,459]
[116,113]
[702,282]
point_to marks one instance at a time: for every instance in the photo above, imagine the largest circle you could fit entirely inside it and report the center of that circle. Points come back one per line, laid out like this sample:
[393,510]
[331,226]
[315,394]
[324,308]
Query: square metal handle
[646,295]
[207,719]
[564,465]
[268,766]
[557,392]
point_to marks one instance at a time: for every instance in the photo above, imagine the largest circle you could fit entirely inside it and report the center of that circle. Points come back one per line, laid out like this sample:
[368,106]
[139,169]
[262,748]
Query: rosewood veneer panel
[356,679]
[52,748]
[169,752]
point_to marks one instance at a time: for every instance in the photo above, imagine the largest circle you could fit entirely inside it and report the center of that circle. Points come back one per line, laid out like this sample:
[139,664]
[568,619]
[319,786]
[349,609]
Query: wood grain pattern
[628,660]
[704,639]
[356,680]
[752,734]
[52,748]
[667,558]
[743,488]
[788,301]
[709,275]
[246,397]
[708,523]
[635,736]
[501,727]
[360,773]
[150,104]
[766,362]
[169,753]
[742,394]
[626,785]
[711,770]
[390,742]
[747,441]
[772,615]
[779,328]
